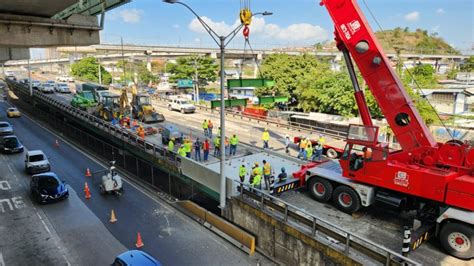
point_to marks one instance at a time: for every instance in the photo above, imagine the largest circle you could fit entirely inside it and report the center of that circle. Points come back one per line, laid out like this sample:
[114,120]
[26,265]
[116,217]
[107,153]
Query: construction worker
[282,176]
[205,127]
[233,144]
[217,144]
[267,172]
[171,145]
[302,148]
[265,138]
[242,173]
[197,150]
[210,126]
[256,178]
[205,148]
[287,144]
[182,151]
[321,139]
[188,148]
[141,132]
[219,131]
[308,155]
[134,124]
[318,151]
[226,145]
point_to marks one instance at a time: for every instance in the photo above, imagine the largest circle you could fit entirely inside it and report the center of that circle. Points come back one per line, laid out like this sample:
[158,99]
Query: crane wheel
[331,153]
[458,239]
[346,199]
[320,189]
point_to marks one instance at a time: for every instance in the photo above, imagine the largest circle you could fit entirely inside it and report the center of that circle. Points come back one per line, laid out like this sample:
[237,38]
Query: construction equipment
[143,110]
[111,181]
[435,179]
[87,96]
[109,107]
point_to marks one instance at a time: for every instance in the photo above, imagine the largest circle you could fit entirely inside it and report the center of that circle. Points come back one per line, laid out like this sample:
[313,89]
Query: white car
[36,162]
[64,79]
[182,105]
[46,88]
[62,88]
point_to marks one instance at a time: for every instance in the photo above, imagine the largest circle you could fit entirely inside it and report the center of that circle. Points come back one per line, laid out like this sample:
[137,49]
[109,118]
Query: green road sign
[233,83]
[185,83]
[229,103]
[272,99]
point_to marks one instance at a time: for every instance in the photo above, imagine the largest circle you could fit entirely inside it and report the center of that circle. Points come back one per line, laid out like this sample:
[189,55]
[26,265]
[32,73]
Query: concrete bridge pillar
[214,55]
[258,62]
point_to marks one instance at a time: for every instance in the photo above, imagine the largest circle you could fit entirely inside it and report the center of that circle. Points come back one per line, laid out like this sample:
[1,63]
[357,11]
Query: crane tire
[320,189]
[458,239]
[346,199]
[332,153]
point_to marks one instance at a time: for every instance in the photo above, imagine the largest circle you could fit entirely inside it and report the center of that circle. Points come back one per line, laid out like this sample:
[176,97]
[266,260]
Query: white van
[182,105]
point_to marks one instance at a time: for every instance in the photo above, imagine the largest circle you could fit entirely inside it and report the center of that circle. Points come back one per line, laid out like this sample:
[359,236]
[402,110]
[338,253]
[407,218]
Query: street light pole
[222,193]
[222,42]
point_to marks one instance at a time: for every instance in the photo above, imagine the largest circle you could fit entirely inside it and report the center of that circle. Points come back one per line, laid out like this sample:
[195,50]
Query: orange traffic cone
[87,191]
[88,172]
[56,143]
[139,243]
[113,219]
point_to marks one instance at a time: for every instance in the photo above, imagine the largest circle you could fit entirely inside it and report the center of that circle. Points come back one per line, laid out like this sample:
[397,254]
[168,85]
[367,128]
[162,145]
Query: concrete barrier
[235,235]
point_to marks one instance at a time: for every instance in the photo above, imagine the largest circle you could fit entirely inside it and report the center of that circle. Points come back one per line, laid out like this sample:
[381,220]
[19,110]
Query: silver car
[62,88]
[47,88]
[5,128]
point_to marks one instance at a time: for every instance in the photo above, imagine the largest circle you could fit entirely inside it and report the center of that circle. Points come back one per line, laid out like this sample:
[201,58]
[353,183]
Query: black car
[47,187]
[11,144]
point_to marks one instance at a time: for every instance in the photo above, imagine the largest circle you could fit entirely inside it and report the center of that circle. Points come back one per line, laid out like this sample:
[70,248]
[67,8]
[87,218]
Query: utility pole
[29,78]
[196,82]
[123,61]
[100,72]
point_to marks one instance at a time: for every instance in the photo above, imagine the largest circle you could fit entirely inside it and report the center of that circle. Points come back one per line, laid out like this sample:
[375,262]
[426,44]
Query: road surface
[79,231]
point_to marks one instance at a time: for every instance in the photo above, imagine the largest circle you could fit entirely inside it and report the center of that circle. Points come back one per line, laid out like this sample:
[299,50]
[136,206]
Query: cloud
[131,16]
[440,11]
[176,26]
[294,32]
[413,16]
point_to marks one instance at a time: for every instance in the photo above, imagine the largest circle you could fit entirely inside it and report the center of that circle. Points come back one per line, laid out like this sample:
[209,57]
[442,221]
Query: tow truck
[435,179]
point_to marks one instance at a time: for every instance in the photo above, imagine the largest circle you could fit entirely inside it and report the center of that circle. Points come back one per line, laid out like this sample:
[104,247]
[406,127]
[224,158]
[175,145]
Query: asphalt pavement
[168,235]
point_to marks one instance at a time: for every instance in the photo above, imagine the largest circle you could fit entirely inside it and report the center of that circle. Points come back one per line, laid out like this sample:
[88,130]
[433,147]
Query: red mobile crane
[436,179]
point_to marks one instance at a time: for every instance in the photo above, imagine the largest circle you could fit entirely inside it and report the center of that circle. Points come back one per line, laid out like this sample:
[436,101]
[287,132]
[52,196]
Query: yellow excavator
[112,106]
[143,110]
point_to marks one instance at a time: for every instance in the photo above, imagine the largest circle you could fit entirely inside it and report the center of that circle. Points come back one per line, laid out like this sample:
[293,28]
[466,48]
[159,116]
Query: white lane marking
[9,168]
[2,262]
[42,221]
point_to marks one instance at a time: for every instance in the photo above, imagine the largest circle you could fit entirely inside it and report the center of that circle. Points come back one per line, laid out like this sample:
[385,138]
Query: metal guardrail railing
[268,121]
[284,209]
[290,213]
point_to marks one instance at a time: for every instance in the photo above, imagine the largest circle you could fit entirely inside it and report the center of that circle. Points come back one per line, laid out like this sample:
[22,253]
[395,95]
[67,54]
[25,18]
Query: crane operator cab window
[357,155]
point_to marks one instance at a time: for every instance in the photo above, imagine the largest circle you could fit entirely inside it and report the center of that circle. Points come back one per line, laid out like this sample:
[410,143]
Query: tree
[140,68]
[185,68]
[423,75]
[468,65]
[88,69]
[288,71]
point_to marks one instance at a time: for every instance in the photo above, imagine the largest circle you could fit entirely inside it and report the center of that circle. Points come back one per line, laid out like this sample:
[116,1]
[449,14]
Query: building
[450,101]
[242,92]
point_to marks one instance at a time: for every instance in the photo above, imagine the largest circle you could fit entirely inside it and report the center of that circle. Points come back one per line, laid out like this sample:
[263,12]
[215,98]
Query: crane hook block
[246,16]
[246,32]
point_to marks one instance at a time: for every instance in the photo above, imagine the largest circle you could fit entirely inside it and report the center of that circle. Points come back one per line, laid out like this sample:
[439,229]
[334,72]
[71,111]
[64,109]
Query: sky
[293,23]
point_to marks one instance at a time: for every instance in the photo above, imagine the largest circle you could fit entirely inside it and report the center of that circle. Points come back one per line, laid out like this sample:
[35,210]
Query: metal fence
[291,214]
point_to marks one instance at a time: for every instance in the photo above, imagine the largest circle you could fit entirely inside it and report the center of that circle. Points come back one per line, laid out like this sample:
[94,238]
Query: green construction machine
[86,96]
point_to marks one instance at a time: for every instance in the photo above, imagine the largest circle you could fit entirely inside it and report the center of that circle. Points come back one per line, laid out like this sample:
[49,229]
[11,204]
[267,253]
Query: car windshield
[4,125]
[184,102]
[63,85]
[45,182]
[11,142]
[11,109]
[36,158]
[50,81]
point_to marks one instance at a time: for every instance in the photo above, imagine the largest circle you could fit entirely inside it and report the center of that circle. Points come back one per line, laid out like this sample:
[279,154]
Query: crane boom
[354,34]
